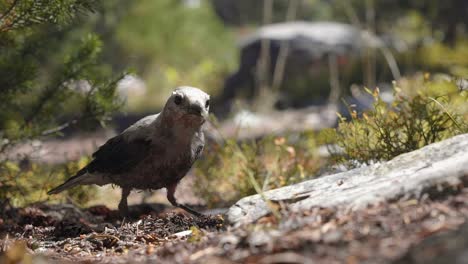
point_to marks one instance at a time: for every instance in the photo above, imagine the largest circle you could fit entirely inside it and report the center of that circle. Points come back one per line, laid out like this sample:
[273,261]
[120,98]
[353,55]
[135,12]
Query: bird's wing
[119,155]
[142,123]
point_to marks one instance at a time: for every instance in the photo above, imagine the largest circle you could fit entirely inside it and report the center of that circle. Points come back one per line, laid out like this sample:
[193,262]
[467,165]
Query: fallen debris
[382,233]
[401,230]
[70,233]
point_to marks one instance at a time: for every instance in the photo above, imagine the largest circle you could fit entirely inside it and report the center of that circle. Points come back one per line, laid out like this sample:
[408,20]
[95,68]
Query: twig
[9,10]
[278,74]
[48,95]
[58,128]
[263,63]
[391,61]
[350,12]
[370,63]
[334,79]
[447,113]
[257,188]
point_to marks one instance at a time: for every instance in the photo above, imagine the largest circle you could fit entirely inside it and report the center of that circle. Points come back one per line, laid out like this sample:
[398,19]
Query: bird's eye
[207,104]
[178,99]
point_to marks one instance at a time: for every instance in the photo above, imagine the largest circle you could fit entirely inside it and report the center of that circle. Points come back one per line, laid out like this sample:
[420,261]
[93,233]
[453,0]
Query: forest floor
[384,233]
[377,234]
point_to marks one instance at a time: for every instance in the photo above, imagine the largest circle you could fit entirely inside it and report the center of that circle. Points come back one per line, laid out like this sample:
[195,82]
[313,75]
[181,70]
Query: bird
[155,152]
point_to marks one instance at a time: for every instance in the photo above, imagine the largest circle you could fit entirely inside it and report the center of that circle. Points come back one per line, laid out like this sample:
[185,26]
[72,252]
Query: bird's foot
[171,198]
[123,210]
[190,210]
[123,204]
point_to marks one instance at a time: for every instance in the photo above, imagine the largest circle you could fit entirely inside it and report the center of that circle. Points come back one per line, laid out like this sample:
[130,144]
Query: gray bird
[156,152]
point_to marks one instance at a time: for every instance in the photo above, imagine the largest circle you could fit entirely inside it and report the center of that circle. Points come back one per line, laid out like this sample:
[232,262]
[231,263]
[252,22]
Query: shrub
[235,169]
[49,81]
[453,60]
[23,182]
[434,111]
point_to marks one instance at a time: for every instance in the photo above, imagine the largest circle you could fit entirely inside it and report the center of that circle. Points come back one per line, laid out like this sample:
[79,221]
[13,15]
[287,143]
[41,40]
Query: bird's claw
[190,210]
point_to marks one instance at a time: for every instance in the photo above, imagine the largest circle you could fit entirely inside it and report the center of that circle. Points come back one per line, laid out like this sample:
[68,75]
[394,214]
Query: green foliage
[439,56]
[166,42]
[49,80]
[19,14]
[410,19]
[170,44]
[232,170]
[40,78]
[24,183]
[419,115]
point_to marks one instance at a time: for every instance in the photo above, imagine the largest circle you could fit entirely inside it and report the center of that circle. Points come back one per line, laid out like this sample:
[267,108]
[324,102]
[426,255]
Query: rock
[312,47]
[429,169]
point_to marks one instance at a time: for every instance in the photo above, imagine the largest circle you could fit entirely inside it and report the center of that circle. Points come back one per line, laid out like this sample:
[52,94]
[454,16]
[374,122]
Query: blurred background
[280,72]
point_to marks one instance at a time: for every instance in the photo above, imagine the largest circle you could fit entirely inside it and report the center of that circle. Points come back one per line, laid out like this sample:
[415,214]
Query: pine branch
[9,10]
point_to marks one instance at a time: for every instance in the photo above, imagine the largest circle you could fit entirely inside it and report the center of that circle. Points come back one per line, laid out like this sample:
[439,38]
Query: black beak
[196,110]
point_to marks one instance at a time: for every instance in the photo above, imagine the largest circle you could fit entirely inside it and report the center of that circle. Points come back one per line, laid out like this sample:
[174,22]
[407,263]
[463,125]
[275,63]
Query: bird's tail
[73,181]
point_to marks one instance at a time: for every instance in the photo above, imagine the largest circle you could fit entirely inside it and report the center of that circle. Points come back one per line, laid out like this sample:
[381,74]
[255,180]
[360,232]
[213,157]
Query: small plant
[416,118]
[233,170]
[24,182]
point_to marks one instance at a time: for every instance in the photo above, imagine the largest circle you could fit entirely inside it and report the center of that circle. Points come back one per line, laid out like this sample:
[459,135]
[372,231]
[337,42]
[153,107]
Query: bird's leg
[123,206]
[170,196]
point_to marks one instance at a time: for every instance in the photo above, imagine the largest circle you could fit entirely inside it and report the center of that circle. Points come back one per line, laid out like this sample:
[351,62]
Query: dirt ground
[377,234]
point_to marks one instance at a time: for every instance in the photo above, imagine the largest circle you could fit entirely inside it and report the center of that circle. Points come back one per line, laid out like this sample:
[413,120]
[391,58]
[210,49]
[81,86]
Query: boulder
[313,48]
[430,169]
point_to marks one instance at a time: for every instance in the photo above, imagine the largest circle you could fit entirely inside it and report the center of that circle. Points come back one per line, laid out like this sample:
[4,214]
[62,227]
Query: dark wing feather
[118,155]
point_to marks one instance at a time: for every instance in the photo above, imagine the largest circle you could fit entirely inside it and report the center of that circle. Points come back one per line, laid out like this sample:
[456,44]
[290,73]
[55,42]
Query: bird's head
[188,104]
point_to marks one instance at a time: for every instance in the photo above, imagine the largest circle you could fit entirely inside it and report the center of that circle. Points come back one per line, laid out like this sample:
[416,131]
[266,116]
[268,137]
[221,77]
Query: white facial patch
[192,94]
